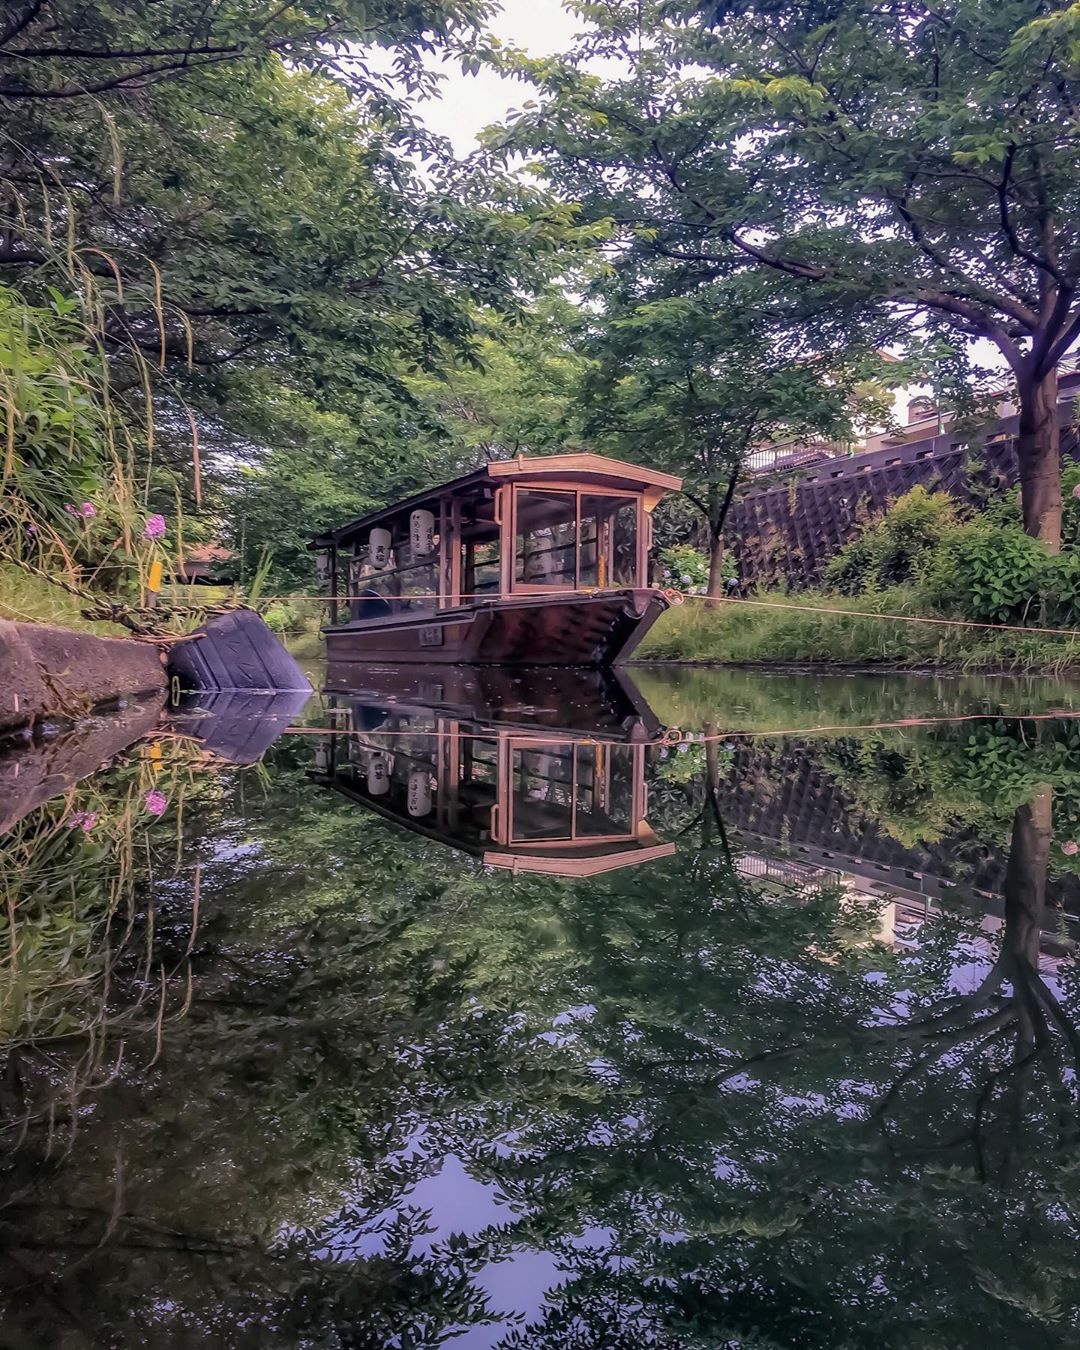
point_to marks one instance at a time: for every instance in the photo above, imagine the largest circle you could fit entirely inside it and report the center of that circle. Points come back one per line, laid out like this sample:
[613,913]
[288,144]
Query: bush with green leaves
[895,548]
[684,567]
[995,574]
[687,568]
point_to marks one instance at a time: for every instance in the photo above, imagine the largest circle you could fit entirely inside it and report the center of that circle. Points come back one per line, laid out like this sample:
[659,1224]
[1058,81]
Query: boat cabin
[520,543]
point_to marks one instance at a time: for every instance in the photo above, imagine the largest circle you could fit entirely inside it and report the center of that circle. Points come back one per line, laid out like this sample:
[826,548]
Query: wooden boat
[499,779]
[528,561]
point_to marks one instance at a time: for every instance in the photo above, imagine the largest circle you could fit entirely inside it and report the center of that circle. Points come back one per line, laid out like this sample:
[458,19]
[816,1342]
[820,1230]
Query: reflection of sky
[458,1203]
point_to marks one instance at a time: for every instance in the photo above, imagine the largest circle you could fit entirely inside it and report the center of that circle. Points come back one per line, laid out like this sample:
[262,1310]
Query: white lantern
[378,774]
[322,758]
[379,548]
[422,533]
[322,567]
[419,792]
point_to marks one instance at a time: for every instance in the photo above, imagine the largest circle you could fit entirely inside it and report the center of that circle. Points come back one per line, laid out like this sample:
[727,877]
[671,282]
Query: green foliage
[872,162]
[695,383]
[998,574]
[896,548]
[775,626]
[684,567]
[281,262]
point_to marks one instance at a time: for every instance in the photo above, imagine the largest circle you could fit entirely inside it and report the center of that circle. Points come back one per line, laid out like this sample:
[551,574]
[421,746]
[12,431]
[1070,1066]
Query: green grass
[28,598]
[739,633]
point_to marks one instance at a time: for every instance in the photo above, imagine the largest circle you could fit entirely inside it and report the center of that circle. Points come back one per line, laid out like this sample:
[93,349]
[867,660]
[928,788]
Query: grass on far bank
[744,632]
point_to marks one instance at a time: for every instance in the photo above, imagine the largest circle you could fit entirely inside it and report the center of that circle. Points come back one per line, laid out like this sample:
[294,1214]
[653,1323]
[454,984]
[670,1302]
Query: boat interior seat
[371,605]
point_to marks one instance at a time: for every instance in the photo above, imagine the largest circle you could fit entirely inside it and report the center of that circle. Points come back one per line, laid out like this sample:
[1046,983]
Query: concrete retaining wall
[48,671]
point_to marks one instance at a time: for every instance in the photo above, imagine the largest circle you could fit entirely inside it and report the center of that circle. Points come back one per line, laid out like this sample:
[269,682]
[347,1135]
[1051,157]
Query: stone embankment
[56,672]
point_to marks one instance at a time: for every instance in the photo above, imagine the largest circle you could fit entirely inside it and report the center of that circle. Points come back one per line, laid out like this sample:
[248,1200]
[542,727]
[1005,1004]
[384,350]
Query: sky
[470,102]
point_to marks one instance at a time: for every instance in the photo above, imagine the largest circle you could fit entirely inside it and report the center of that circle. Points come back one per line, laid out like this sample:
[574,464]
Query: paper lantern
[422,533]
[378,774]
[379,548]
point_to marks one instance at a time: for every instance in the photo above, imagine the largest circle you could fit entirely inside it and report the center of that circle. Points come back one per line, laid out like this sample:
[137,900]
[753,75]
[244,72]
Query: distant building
[204,563]
[920,418]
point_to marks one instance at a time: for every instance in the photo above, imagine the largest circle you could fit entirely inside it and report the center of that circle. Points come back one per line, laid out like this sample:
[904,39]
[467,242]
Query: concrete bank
[56,672]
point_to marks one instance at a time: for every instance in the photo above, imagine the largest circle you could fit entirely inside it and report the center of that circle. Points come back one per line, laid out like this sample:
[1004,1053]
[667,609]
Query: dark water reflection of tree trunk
[1012,1010]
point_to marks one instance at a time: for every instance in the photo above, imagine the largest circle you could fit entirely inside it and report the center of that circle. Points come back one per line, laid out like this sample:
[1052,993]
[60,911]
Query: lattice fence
[785,534]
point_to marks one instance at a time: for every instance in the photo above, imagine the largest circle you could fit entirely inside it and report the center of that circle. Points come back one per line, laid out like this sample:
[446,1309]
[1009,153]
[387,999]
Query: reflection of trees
[722,1130]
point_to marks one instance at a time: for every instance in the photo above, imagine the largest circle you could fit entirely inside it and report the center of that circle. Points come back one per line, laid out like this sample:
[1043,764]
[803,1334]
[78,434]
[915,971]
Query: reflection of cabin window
[572,792]
[570,539]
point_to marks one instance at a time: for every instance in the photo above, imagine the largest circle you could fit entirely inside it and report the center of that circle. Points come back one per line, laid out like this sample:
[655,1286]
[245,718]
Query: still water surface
[704,1009]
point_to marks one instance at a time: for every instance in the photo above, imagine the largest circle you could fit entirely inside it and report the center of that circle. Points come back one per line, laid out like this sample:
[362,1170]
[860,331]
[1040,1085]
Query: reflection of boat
[497,776]
[593,702]
[538,561]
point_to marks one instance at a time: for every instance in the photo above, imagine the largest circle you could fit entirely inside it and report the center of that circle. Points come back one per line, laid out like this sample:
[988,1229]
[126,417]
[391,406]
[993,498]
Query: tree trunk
[1039,455]
[715,588]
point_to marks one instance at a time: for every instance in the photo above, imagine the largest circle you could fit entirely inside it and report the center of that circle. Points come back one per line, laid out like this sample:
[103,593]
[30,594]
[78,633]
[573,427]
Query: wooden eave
[587,469]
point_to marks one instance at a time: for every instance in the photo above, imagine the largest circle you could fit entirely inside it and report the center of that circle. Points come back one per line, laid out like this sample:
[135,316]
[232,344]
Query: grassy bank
[744,632]
[32,599]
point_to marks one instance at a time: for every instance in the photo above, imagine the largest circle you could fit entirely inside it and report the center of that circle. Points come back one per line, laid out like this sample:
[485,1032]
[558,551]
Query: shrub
[685,567]
[896,547]
[994,574]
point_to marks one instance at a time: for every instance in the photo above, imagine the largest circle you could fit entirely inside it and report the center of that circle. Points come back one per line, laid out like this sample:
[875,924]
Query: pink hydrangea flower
[71,508]
[83,820]
[87,511]
[1070,847]
[154,527]
[156,802]
[1076,491]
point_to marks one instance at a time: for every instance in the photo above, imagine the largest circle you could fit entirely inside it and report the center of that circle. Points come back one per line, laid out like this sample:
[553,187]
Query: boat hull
[601,628]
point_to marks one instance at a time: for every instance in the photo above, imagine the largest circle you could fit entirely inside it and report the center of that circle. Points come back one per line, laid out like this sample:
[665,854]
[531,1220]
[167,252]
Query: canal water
[695,1009]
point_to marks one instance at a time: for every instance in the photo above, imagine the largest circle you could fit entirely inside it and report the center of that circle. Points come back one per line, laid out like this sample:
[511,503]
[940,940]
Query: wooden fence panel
[784,534]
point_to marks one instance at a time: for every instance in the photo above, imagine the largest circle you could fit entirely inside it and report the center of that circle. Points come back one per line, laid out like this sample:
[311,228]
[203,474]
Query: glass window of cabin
[608,541]
[394,579]
[482,567]
[545,552]
[570,539]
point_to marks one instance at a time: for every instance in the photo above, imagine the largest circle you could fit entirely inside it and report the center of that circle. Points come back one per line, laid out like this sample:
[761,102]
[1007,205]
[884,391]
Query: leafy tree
[266,248]
[917,160]
[695,383]
[63,50]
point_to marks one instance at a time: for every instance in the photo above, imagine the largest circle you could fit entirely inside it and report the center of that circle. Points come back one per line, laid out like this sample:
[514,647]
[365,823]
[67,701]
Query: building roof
[592,470]
[207,553]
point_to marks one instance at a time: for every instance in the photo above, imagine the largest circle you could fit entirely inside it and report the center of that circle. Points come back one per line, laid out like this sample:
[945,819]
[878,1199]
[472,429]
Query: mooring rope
[677,597]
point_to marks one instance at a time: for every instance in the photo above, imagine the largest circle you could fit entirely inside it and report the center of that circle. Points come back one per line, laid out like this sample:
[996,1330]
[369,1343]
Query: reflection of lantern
[356,571]
[419,792]
[322,567]
[322,758]
[378,773]
[379,548]
[422,533]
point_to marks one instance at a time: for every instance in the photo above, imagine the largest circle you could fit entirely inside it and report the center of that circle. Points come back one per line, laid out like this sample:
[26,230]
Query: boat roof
[591,470]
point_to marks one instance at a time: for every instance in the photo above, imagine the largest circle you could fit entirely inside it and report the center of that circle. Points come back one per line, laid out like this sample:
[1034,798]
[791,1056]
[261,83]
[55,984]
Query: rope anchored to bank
[676,597]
